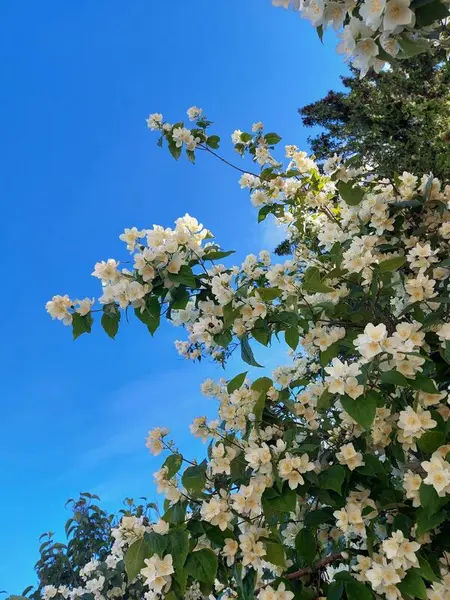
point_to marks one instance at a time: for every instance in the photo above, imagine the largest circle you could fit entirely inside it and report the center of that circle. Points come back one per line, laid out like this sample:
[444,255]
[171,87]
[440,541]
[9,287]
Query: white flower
[129,236]
[84,306]
[314,11]
[157,573]
[58,308]
[365,50]
[194,113]
[371,11]
[397,12]
[291,468]
[229,550]
[49,591]
[350,457]
[154,440]
[369,343]
[154,121]
[161,527]
[236,137]
[181,136]
[438,474]
[401,551]
[269,593]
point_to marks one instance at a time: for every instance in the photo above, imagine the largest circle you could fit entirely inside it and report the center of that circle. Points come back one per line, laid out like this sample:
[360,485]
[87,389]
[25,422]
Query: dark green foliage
[88,537]
[397,120]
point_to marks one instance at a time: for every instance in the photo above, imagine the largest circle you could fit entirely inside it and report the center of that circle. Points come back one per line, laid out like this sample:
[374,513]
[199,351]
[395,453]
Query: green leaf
[247,353]
[325,401]
[248,585]
[110,319]
[156,543]
[335,590]
[272,138]
[202,565]
[431,440]
[150,315]
[263,212]
[81,324]
[332,478]
[176,513]
[245,137]
[357,591]
[363,409]
[173,463]
[391,264]
[180,297]
[319,31]
[402,523]
[262,386]
[423,383]
[292,337]
[261,335]
[178,547]
[317,517]
[174,150]
[217,254]
[331,352]
[429,499]
[306,546]
[411,47]
[236,382]
[352,195]
[279,503]
[223,339]
[394,378]
[425,570]
[274,553]
[213,141]
[229,314]
[373,467]
[433,11]
[134,558]
[312,282]
[343,576]
[184,276]
[286,318]
[413,585]
[442,299]
[426,522]
[268,294]
[194,479]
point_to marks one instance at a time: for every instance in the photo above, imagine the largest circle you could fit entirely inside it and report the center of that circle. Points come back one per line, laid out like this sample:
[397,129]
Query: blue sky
[77,166]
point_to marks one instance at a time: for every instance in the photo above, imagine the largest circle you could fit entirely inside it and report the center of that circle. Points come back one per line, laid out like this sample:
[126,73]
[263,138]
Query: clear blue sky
[77,166]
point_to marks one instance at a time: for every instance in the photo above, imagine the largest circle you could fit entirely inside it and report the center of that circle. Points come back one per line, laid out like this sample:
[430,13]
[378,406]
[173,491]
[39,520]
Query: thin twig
[224,160]
[324,562]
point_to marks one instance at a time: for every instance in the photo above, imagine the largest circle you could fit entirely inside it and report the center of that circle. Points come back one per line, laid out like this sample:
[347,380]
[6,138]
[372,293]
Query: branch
[324,562]
[227,162]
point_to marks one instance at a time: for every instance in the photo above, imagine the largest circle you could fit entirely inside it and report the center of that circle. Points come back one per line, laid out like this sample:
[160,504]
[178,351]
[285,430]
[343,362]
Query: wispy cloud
[271,234]
[172,399]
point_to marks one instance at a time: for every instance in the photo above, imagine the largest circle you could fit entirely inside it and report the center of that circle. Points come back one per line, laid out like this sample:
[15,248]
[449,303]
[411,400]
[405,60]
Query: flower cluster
[374,32]
[336,464]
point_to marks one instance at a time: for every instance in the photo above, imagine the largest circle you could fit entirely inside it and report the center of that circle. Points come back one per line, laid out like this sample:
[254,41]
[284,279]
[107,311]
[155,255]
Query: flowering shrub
[374,32]
[329,479]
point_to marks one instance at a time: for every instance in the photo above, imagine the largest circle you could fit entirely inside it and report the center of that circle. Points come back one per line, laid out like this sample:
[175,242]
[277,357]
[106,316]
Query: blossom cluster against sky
[77,166]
